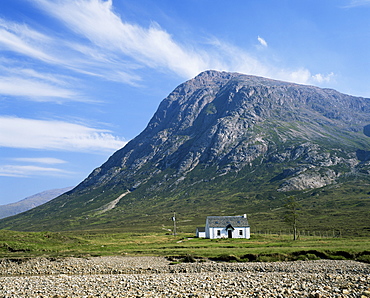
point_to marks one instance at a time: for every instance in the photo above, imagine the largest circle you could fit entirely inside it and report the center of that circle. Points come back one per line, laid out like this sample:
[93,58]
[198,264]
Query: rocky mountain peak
[228,120]
[228,139]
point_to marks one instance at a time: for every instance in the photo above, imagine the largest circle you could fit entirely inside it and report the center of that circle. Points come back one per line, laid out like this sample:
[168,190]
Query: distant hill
[227,144]
[31,202]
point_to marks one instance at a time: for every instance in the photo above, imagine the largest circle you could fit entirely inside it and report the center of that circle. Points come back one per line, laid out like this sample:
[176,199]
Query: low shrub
[306,257]
[267,259]
[364,257]
[249,257]
[188,259]
[310,254]
[181,259]
[275,257]
[337,257]
[312,257]
[226,258]
[341,255]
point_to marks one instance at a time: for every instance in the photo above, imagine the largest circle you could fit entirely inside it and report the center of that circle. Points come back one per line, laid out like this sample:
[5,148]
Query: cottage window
[218,232]
[240,232]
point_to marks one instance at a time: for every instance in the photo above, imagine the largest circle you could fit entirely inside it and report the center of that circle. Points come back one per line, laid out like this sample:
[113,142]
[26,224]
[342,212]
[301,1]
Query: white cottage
[201,232]
[227,227]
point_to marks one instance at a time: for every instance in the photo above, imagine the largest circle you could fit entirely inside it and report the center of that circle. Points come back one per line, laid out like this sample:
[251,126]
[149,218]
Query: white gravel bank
[155,277]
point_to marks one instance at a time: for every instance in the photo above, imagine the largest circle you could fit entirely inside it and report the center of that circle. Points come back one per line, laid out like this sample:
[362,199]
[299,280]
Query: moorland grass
[180,247]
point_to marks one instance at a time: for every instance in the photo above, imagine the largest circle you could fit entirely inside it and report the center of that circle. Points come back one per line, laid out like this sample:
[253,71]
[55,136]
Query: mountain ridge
[154,125]
[266,138]
[31,201]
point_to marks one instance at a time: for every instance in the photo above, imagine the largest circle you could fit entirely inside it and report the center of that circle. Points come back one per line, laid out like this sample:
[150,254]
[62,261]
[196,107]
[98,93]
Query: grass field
[258,248]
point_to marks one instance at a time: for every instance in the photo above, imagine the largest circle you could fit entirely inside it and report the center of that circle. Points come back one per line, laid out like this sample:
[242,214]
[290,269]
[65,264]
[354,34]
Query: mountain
[223,144]
[31,202]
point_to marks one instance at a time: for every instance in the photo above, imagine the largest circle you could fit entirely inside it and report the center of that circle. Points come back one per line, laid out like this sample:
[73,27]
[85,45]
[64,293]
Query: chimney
[244,215]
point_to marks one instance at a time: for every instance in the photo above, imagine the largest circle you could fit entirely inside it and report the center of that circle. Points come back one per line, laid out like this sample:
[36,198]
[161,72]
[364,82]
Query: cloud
[32,170]
[21,80]
[109,48]
[60,52]
[320,78]
[262,41]
[34,89]
[304,76]
[27,171]
[43,160]
[102,63]
[232,58]
[37,86]
[356,3]
[55,135]
[152,47]
[21,39]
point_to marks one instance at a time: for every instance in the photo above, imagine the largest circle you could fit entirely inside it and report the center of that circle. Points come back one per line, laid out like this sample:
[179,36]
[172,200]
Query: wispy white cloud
[113,49]
[356,3]
[21,80]
[27,171]
[233,58]
[153,47]
[91,60]
[35,89]
[50,78]
[60,52]
[320,78]
[42,160]
[21,39]
[303,76]
[262,41]
[55,135]
[33,170]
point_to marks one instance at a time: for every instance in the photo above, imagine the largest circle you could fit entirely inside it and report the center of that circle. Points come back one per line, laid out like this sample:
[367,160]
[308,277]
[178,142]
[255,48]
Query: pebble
[156,277]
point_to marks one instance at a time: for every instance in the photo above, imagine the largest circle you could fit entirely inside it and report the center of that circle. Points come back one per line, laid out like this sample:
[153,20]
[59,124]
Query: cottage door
[230,233]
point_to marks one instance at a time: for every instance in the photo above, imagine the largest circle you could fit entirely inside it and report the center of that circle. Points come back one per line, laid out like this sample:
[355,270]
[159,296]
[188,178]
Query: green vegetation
[180,248]
[291,215]
[341,208]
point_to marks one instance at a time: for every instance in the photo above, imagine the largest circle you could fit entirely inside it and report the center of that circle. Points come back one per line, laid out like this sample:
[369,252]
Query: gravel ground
[156,277]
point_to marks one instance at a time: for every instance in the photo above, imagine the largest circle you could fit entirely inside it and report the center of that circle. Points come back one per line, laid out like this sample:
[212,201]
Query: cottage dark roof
[224,221]
[201,229]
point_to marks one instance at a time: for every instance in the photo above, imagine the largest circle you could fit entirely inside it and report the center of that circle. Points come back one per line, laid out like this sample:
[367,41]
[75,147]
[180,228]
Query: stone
[215,280]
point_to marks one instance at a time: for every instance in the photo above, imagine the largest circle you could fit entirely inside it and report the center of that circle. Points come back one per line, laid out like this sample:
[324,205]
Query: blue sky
[80,78]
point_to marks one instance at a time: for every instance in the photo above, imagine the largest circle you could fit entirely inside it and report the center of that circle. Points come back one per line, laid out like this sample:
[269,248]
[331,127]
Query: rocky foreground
[157,277]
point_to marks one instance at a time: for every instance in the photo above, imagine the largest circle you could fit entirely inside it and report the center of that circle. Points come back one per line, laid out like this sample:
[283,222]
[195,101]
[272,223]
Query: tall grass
[99,243]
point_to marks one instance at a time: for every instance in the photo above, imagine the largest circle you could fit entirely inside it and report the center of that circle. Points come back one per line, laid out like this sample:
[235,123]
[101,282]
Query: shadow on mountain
[363,155]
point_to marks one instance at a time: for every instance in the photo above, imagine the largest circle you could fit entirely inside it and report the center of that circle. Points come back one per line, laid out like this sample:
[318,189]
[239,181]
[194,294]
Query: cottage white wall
[201,234]
[207,229]
[247,232]
[211,233]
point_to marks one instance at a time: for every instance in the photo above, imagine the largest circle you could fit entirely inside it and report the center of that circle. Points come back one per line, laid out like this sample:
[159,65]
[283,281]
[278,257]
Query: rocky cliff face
[221,141]
[229,120]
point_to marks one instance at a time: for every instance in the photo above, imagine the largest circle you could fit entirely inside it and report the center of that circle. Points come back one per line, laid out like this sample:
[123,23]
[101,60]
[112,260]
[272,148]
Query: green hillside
[229,144]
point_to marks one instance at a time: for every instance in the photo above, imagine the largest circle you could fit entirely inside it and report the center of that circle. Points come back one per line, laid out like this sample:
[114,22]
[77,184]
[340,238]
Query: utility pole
[174,223]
